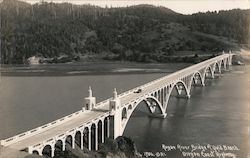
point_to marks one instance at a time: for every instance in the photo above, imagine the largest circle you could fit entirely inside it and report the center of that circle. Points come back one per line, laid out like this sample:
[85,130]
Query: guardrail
[181,73]
[40,129]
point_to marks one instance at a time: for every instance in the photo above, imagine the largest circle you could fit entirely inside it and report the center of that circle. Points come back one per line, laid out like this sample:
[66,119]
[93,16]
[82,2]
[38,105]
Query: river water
[217,114]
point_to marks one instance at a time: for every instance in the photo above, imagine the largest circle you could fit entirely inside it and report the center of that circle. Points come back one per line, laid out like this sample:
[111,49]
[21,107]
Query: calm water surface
[215,114]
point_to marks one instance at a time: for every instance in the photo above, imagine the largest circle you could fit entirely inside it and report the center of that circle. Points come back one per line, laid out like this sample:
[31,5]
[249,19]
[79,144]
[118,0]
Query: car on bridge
[138,91]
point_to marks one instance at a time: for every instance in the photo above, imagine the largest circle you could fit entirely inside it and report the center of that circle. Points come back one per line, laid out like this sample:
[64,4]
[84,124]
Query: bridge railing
[39,129]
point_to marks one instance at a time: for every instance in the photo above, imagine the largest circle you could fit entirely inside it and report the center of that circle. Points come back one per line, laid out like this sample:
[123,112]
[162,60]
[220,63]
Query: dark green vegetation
[140,33]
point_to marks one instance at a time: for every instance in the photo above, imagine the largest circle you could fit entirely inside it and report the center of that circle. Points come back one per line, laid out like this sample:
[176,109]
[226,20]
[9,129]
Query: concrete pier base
[158,115]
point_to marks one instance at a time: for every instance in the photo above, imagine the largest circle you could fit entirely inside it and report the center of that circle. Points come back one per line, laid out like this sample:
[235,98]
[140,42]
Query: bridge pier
[200,85]
[63,145]
[108,127]
[116,111]
[89,139]
[210,77]
[81,140]
[52,150]
[96,137]
[30,150]
[103,132]
[158,115]
[184,96]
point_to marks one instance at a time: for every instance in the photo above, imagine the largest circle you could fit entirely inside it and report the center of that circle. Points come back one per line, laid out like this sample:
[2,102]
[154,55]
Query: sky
[180,6]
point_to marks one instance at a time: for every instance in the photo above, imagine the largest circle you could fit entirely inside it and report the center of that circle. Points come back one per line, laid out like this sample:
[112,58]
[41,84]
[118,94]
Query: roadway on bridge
[83,118]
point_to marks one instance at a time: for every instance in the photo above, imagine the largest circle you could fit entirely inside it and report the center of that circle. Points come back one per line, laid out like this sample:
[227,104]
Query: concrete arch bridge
[91,125]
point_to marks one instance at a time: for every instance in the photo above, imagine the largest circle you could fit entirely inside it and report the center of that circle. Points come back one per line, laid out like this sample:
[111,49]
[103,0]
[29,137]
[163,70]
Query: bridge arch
[223,65]
[86,137]
[47,150]
[35,152]
[148,104]
[177,87]
[106,127]
[208,72]
[69,140]
[100,130]
[197,76]
[59,146]
[78,138]
[217,68]
[93,136]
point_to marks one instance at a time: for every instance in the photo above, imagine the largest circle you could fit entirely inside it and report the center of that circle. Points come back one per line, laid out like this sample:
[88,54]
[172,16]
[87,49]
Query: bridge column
[212,75]
[73,141]
[160,96]
[30,150]
[230,58]
[89,139]
[52,150]
[108,127]
[103,131]
[209,70]
[115,110]
[81,140]
[96,137]
[63,145]
[40,153]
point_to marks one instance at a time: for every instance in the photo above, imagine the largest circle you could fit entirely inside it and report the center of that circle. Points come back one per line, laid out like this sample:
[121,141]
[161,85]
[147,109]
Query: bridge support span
[82,137]
[160,95]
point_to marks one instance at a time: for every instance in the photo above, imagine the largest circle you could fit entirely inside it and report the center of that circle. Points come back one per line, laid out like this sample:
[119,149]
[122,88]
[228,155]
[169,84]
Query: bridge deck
[87,116]
[52,132]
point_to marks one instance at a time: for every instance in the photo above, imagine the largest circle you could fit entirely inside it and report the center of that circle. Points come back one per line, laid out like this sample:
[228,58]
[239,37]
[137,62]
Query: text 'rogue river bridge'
[91,125]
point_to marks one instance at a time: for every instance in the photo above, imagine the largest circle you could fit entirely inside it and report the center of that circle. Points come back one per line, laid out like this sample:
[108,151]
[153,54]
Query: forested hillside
[142,33]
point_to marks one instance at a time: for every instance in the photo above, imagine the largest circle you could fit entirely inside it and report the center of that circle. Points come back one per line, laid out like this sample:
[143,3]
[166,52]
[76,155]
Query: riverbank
[104,67]
[90,68]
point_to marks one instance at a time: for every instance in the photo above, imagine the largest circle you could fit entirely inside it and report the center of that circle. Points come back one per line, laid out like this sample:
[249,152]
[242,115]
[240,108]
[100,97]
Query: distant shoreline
[91,68]
[105,67]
